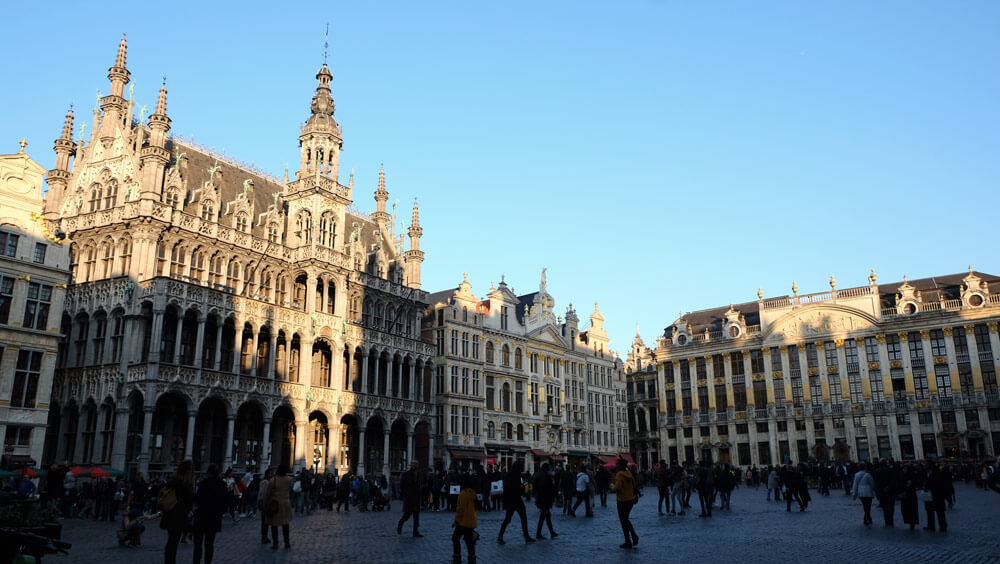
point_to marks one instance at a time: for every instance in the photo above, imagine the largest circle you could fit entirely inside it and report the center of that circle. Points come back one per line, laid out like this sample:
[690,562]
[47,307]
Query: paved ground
[754,531]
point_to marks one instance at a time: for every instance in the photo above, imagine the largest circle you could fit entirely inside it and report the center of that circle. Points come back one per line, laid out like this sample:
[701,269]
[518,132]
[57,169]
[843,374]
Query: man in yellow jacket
[466,521]
[625,491]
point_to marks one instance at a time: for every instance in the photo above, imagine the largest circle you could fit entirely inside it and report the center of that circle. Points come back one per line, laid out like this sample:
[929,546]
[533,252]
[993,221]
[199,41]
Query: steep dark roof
[443,296]
[934,288]
[194,171]
[527,299]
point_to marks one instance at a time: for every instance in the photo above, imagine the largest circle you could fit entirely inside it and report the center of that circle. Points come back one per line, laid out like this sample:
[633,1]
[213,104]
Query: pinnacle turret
[320,139]
[58,177]
[67,131]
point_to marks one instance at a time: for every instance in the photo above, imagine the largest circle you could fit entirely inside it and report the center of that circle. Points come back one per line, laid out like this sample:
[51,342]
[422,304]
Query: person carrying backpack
[175,501]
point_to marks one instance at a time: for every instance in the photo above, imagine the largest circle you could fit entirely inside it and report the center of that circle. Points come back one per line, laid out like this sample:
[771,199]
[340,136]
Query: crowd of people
[193,511]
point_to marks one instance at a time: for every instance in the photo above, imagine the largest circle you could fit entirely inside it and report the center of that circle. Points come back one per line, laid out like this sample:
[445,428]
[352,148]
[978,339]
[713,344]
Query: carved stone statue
[246,186]
[541,286]
[211,172]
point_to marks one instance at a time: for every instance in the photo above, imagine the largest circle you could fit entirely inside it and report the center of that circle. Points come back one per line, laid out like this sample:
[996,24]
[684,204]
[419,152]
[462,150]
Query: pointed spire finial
[122,48]
[416,215]
[161,100]
[67,132]
[286,173]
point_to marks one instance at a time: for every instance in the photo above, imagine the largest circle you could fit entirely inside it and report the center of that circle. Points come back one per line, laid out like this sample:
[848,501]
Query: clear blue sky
[654,156]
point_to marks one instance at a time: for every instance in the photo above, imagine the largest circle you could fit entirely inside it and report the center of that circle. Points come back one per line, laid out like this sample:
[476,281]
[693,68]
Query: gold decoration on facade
[838,342]
[880,338]
[777,374]
[948,331]
[831,369]
[940,360]
[896,364]
[873,365]
[814,371]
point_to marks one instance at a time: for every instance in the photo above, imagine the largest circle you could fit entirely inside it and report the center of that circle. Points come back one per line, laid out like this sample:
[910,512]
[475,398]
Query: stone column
[949,345]
[361,451]
[305,362]
[216,365]
[147,427]
[768,379]
[300,442]
[326,288]
[430,450]
[411,391]
[189,440]
[199,344]
[156,336]
[390,377]
[727,370]
[230,427]
[385,453]
[930,367]
[120,438]
[904,345]
[177,340]
[409,448]
[265,455]
[272,355]
[255,336]
[364,371]
[977,371]
[237,348]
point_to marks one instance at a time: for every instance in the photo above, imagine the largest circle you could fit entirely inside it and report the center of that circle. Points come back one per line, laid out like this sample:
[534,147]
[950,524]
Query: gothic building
[224,315]
[904,370]
[514,381]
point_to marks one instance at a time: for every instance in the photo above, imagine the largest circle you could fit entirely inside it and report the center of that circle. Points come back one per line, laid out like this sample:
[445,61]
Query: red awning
[628,457]
[539,452]
[607,458]
[557,458]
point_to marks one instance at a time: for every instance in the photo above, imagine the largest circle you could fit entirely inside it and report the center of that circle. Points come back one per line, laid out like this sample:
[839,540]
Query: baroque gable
[815,322]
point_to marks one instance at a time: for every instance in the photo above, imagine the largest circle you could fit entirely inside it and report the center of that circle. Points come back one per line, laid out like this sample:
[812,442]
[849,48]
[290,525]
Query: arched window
[390,315]
[177,260]
[303,228]
[197,264]
[505,356]
[518,359]
[327,229]
[95,197]
[489,352]
[520,432]
[89,268]
[107,258]
[173,197]
[281,290]
[505,397]
[161,257]
[234,274]
[379,310]
[125,252]
[111,194]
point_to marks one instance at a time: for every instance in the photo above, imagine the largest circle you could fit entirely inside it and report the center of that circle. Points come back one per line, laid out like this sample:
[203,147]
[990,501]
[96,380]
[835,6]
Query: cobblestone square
[755,530]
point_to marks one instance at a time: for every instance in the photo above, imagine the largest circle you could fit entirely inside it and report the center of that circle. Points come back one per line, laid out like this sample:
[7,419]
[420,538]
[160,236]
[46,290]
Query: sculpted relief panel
[806,325]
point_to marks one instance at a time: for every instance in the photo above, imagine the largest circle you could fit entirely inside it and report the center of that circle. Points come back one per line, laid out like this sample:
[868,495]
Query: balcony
[705,418]
[780,411]
[986,356]
[837,408]
[760,413]
[722,416]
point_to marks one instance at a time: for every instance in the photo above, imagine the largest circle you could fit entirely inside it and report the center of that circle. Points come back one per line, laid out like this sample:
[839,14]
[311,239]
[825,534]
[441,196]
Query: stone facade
[906,370]
[34,270]
[514,381]
[220,314]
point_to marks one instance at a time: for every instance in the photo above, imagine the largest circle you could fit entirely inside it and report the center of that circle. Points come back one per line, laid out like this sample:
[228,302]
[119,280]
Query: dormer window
[976,300]
[734,331]
[682,339]
[242,223]
[207,211]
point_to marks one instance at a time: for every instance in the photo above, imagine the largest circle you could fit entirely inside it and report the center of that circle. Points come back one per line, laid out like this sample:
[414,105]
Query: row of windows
[36,307]
[8,247]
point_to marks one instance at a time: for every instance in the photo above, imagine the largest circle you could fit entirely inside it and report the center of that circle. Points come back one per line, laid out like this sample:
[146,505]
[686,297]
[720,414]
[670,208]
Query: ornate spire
[381,195]
[415,222]
[67,131]
[161,100]
[122,48]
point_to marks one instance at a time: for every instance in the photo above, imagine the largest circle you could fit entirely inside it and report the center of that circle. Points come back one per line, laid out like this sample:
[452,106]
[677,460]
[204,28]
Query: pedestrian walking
[938,485]
[886,489]
[545,496]
[513,502]
[908,505]
[210,501]
[409,485]
[706,488]
[466,521]
[582,492]
[864,488]
[664,479]
[625,489]
[278,506]
[603,480]
[175,501]
[261,496]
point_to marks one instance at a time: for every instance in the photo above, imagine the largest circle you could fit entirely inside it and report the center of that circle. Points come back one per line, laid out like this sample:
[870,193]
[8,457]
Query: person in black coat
[174,518]
[939,485]
[210,502]
[886,489]
[545,496]
[513,502]
[410,486]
